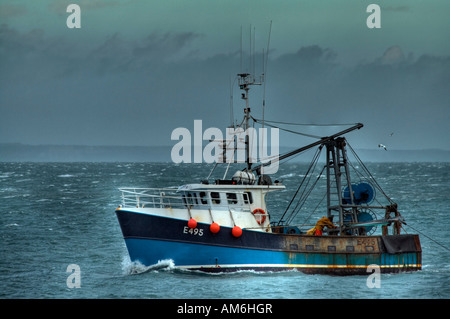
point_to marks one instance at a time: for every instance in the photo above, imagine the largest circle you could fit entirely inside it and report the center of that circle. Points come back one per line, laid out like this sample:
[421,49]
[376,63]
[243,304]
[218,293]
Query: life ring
[260,215]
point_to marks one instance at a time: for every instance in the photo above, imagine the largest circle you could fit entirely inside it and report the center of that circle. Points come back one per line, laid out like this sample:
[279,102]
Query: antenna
[248,79]
[231,104]
[254,54]
[250,52]
[264,88]
[265,72]
[241,48]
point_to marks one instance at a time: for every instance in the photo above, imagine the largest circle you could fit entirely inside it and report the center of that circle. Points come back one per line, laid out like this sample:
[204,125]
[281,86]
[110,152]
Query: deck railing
[174,198]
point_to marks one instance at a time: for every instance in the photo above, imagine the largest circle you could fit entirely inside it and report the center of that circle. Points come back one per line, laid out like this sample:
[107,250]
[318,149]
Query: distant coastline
[17,152]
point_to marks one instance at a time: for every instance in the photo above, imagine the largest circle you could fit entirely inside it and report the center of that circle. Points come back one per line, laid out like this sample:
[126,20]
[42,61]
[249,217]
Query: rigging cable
[305,197]
[264,79]
[290,131]
[315,158]
[379,187]
[362,177]
[369,174]
[435,241]
[306,124]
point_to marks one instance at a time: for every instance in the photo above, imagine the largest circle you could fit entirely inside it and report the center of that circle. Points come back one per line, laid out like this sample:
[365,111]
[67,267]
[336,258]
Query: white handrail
[174,198]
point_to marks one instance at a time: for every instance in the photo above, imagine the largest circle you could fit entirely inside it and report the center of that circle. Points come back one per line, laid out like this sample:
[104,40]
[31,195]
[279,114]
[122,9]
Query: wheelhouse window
[232,198]
[203,198]
[189,199]
[215,198]
[248,198]
[194,197]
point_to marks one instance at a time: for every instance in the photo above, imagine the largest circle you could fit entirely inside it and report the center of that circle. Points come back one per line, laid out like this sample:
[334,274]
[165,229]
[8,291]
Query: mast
[245,81]
[337,167]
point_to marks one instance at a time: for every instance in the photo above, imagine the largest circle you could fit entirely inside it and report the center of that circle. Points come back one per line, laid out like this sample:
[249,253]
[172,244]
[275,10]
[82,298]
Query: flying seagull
[382,146]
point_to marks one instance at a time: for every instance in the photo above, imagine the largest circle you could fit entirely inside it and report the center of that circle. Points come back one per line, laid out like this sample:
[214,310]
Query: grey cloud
[312,55]
[163,45]
[393,55]
[11,10]
[396,9]
[117,54]
[156,84]
[113,55]
[393,92]
[21,52]
[60,6]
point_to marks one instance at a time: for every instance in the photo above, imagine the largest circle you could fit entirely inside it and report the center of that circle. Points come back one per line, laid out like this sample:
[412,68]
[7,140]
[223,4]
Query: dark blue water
[57,214]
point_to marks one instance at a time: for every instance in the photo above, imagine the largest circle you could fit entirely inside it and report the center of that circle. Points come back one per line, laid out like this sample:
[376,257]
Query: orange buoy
[214,228]
[236,231]
[192,223]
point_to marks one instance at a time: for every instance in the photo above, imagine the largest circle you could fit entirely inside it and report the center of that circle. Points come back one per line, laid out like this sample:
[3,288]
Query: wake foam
[135,267]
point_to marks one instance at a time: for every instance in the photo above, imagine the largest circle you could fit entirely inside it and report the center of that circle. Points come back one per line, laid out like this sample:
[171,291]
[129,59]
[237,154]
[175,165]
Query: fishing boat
[225,224]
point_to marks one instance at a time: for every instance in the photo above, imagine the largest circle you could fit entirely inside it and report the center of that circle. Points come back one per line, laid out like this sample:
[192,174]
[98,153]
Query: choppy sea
[59,214]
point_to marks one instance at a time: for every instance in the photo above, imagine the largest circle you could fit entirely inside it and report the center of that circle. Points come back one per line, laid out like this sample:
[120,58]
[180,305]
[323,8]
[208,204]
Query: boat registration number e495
[192,231]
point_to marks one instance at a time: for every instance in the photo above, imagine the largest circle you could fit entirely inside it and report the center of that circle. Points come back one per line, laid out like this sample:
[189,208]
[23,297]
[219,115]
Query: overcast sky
[138,69]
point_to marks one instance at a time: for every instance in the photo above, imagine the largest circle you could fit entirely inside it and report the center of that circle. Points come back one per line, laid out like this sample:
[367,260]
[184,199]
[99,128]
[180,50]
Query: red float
[236,231]
[214,228]
[192,223]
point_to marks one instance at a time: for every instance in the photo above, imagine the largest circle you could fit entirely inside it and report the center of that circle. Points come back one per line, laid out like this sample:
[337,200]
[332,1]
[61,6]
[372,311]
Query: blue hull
[150,239]
[223,259]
